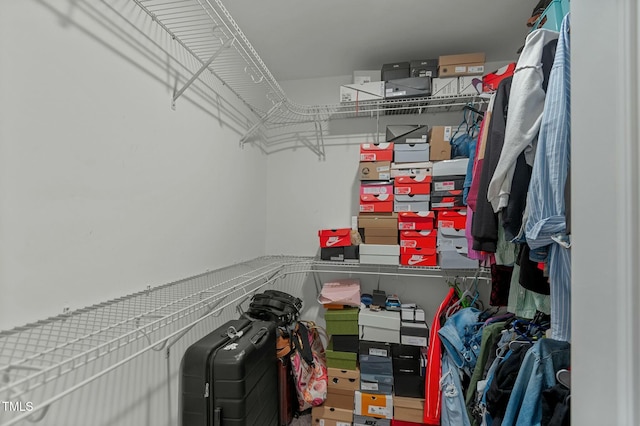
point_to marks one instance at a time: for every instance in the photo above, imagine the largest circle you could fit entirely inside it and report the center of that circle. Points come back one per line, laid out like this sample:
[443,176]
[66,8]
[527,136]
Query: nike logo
[415,260]
[332,241]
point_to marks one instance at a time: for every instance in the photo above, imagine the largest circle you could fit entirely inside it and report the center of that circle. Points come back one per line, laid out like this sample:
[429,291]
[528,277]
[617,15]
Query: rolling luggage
[230,377]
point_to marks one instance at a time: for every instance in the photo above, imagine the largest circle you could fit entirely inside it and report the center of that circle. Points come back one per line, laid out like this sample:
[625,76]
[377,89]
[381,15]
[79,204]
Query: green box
[341,360]
[342,321]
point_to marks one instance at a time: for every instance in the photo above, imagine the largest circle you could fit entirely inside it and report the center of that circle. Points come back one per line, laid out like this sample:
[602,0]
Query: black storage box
[396,71]
[345,343]
[407,133]
[405,351]
[424,68]
[406,366]
[379,298]
[339,254]
[411,87]
[375,348]
[408,385]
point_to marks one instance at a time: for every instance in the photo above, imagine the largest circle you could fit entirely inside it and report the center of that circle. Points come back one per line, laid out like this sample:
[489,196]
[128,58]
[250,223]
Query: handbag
[340,292]
[309,365]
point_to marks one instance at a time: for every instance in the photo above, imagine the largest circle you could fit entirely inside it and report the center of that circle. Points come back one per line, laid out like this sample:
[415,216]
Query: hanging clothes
[546,223]
[537,373]
[432,391]
[485,221]
[526,104]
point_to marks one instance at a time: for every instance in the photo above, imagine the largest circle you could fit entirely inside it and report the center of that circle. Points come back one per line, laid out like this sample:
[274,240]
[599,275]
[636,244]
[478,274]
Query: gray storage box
[411,203]
[411,152]
[424,68]
[408,88]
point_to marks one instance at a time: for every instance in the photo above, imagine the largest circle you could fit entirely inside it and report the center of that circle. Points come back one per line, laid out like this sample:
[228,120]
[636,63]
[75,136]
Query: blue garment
[461,336]
[537,373]
[469,176]
[454,411]
[546,222]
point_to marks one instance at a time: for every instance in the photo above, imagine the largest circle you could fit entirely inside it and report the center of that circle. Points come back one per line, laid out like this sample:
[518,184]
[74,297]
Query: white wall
[103,188]
[606,233]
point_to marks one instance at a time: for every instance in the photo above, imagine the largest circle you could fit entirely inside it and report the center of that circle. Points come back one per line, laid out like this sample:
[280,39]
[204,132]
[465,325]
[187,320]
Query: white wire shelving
[108,335]
[206,30]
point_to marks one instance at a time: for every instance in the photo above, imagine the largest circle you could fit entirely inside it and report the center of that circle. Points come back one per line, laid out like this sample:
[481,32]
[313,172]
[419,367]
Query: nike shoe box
[424,68]
[370,421]
[395,71]
[411,153]
[412,87]
[372,91]
[340,254]
[407,133]
[411,203]
[414,334]
[340,237]
[419,256]
[416,221]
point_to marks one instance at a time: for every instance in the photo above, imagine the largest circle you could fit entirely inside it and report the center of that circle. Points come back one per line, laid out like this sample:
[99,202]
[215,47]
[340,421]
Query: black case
[229,377]
[345,343]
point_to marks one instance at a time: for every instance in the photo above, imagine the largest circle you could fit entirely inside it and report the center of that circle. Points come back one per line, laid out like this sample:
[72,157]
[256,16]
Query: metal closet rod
[391,274]
[45,405]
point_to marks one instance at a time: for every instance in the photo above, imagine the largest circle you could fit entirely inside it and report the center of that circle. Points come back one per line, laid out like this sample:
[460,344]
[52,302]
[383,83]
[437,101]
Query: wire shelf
[109,334]
[207,31]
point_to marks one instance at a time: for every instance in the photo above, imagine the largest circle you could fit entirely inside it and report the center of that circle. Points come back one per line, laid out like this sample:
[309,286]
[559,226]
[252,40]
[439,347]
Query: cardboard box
[408,386]
[366,76]
[416,221]
[418,239]
[408,409]
[378,221]
[379,349]
[325,415]
[395,71]
[335,237]
[343,399]
[379,170]
[342,321]
[382,326]
[456,219]
[375,188]
[469,85]
[406,185]
[343,380]
[458,65]
[457,167]
[411,153]
[370,421]
[407,133]
[376,387]
[412,169]
[447,183]
[424,67]
[374,405]
[419,257]
[376,152]
[408,87]
[411,203]
[381,241]
[382,203]
[411,313]
[444,86]
[376,369]
[414,333]
[447,202]
[362,92]
[338,254]
[439,143]
[341,360]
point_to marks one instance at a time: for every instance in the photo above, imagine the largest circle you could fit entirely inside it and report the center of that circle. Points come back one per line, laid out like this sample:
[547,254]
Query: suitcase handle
[259,335]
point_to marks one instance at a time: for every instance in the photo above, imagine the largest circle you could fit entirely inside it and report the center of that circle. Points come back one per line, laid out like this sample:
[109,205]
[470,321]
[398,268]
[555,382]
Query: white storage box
[450,167]
[380,254]
[362,92]
[444,86]
[381,326]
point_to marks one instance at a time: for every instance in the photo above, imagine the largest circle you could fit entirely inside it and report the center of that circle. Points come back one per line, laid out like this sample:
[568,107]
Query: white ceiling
[307,39]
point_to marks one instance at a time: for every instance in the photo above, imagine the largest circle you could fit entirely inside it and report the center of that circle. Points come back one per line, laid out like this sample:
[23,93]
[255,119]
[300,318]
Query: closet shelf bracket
[245,138]
[204,66]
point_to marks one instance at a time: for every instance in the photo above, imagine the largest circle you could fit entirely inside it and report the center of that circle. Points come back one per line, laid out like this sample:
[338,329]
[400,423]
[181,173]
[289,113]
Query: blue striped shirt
[546,223]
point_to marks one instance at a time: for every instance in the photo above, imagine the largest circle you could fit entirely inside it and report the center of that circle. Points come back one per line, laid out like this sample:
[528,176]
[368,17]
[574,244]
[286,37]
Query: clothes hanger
[563,377]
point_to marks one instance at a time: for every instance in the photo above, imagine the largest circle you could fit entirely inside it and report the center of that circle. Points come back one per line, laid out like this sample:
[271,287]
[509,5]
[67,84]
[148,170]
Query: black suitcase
[230,377]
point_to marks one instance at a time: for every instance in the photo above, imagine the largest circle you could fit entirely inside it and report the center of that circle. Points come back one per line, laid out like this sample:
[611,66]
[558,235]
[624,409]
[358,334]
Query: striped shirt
[546,223]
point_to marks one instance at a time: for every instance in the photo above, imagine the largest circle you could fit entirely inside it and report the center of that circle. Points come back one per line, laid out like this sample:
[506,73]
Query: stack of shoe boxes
[335,244]
[374,400]
[342,327]
[447,189]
